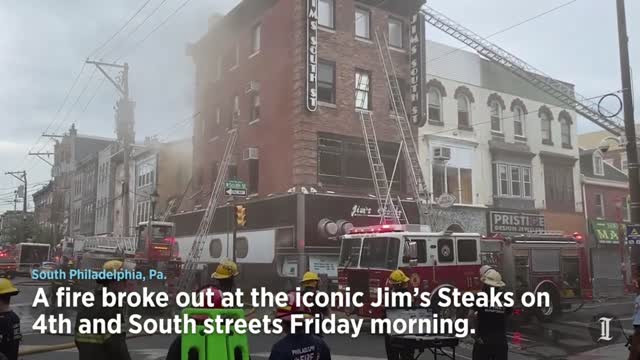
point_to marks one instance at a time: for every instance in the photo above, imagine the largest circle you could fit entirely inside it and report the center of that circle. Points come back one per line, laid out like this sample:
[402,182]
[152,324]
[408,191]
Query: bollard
[229,346]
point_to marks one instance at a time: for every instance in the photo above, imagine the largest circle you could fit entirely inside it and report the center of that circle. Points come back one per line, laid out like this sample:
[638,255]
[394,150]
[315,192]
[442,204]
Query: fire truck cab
[548,261]
[431,260]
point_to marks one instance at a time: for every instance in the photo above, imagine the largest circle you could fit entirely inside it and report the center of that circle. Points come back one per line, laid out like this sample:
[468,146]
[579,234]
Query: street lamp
[154,200]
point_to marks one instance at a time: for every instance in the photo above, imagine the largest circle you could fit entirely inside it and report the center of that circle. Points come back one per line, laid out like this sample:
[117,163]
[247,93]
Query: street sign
[633,234]
[235,188]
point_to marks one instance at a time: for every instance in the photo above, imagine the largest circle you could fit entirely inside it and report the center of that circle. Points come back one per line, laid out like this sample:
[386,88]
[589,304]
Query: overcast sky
[44,44]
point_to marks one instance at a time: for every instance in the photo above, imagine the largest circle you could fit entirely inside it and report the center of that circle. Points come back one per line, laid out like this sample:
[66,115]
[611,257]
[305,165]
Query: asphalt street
[567,337]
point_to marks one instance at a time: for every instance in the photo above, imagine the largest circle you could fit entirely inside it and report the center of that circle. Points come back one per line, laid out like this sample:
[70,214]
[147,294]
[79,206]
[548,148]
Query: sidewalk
[615,351]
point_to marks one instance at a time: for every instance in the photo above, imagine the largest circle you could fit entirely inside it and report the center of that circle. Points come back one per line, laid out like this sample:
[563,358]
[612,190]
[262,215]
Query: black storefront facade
[284,236]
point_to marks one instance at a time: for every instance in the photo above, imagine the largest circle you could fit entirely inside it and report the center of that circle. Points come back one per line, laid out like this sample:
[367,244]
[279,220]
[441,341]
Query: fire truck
[153,248]
[431,260]
[549,262]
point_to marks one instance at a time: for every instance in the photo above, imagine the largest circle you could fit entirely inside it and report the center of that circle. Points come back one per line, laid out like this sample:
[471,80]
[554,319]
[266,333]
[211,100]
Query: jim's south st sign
[417,70]
[312,55]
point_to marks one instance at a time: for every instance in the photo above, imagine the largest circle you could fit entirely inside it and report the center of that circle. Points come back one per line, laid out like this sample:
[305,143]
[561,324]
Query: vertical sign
[312,55]
[417,69]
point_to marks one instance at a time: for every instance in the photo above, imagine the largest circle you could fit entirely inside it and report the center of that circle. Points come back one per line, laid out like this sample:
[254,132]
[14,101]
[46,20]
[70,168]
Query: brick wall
[611,196]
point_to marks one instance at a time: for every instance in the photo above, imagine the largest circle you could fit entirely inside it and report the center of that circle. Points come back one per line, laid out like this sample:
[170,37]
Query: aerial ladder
[408,145]
[560,91]
[191,262]
[175,203]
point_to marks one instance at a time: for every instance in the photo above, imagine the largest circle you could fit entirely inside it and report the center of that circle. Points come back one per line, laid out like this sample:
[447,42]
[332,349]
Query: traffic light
[241,215]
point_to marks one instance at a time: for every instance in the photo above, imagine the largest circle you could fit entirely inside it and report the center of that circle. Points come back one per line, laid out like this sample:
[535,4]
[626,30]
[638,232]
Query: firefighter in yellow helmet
[310,283]
[9,321]
[398,282]
[225,275]
[103,346]
[490,322]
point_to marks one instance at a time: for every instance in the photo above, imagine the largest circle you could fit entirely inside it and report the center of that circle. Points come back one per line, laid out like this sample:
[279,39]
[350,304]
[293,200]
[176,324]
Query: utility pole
[630,129]
[22,177]
[124,129]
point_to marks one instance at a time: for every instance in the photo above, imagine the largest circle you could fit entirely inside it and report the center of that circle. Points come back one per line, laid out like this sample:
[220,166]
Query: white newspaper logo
[605,329]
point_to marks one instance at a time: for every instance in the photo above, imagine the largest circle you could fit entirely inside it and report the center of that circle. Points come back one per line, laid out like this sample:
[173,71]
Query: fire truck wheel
[548,313]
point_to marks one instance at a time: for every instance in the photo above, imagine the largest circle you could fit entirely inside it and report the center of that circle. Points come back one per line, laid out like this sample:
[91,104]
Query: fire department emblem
[445,251]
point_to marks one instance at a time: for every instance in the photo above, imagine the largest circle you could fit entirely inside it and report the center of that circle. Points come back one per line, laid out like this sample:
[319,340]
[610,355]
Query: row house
[294,77]
[500,147]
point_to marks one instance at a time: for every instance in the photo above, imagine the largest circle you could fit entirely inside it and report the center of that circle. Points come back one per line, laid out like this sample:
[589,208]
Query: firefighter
[491,322]
[103,346]
[297,345]
[10,336]
[224,275]
[309,283]
[398,282]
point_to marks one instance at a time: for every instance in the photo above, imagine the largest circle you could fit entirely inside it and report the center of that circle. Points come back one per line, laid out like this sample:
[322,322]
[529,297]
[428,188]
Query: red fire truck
[547,261]
[534,262]
[153,248]
[431,260]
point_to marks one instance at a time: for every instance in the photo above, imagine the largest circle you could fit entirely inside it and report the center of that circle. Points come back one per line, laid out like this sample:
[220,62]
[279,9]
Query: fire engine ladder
[390,211]
[560,91]
[409,147]
[190,266]
[111,245]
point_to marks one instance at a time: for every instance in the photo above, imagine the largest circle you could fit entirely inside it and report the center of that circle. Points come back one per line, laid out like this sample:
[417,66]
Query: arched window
[455,228]
[519,116]
[496,116]
[464,120]
[565,128]
[435,105]
[545,126]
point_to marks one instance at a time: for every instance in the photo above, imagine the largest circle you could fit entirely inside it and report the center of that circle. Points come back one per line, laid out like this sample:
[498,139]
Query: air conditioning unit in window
[253,86]
[441,153]
[250,154]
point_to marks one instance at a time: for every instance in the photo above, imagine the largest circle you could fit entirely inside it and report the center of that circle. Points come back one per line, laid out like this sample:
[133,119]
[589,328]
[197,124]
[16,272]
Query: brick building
[606,196]
[301,147]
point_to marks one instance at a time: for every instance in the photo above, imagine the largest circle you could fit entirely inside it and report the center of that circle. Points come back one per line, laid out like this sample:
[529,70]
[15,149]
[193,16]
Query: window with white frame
[624,164]
[395,33]
[599,205]
[545,126]
[326,82]
[513,180]
[146,175]
[565,131]
[463,111]
[435,105]
[454,176]
[256,35]
[363,86]
[598,164]
[326,16]
[363,23]
[519,121]
[496,116]
[218,115]
[255,106]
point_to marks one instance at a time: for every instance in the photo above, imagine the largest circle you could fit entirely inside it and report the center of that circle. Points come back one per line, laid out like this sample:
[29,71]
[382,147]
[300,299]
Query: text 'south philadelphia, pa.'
[87,274]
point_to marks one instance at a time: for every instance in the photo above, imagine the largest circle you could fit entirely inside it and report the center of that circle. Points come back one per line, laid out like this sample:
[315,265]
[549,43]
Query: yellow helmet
[113,265]
[7,288]
[225,270]
[398,277]
[310,276]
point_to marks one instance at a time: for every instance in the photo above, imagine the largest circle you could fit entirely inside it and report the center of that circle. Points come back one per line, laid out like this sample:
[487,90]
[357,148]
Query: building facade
[105,188]
[42,202]
[606,198]
[496,143]
[257,68]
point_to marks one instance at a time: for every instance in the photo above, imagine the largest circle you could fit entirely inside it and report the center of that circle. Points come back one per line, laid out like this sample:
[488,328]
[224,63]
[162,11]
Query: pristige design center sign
[312,55]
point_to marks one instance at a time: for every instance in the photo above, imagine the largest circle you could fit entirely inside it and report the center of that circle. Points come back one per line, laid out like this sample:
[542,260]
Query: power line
[505,29]
[84,109]
[137,45]
[99,48]
[121,42]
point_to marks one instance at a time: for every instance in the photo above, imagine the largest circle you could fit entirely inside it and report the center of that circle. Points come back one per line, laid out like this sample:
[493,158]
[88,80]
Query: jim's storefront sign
[312,55]
[417,69]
